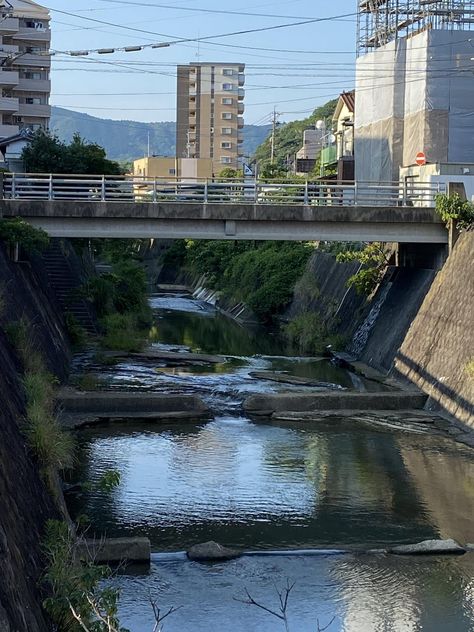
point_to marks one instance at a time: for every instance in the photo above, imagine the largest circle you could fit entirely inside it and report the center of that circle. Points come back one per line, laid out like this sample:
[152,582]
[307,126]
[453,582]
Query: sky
[293,68]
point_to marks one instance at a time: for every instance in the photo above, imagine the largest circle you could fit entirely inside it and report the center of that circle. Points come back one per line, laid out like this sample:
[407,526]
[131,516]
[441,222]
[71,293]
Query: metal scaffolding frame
[382,21]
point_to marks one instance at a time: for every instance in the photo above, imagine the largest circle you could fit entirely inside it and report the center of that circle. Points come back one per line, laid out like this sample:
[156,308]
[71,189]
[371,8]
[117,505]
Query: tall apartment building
[210,104]
[25,64]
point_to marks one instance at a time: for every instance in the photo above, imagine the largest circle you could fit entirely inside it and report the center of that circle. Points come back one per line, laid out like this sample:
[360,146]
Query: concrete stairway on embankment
[65,282]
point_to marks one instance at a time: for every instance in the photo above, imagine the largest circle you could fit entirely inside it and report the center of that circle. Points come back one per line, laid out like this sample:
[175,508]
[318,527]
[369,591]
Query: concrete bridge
[111,207]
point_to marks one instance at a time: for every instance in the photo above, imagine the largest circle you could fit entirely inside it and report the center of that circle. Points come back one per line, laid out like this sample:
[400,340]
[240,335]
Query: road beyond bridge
[99,207]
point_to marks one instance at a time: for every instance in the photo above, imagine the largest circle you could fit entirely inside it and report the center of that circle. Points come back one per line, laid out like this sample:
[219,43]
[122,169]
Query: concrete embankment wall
[25,503]
[323,289]
[397,302]
[437,353]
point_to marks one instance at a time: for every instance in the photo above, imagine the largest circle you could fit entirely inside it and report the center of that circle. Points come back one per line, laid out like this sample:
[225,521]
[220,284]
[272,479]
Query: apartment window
[33,50]
[228,72]
[228,87]
[227,101]
[31,75]
[227,131]
[227,116]
[226,145]
[32,24]
[171,172]
[33,100]
[225,160]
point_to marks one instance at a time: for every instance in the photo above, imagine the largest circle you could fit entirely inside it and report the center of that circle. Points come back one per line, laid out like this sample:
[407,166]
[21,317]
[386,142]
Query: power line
[201,10]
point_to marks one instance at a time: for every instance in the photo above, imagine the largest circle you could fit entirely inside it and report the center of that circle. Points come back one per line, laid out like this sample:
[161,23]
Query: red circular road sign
[420,158]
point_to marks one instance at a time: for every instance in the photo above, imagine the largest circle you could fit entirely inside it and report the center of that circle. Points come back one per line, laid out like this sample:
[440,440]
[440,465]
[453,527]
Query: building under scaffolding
[414,85]
[382,21]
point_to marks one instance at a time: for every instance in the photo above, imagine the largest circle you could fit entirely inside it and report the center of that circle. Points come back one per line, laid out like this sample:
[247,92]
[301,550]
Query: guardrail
[216,191]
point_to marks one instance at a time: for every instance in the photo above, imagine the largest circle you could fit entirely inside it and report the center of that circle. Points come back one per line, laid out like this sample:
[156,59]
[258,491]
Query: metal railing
[217,191]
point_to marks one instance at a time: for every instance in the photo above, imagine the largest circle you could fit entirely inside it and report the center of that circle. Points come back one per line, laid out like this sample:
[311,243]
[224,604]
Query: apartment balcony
[7,50]
[33,85]
[240,93]
[240,122]
[240,138]
[241,80]
[9,104]
[8,130]
[38,110]
[9,79]
[33,59]
[9,25]
[32,35]
[240,108]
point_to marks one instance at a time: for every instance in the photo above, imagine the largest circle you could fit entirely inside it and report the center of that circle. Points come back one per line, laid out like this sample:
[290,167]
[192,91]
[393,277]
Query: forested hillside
[128,140]
[289,136]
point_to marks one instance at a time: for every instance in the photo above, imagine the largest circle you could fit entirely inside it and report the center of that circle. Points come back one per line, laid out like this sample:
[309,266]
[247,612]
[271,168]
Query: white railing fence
[217,191]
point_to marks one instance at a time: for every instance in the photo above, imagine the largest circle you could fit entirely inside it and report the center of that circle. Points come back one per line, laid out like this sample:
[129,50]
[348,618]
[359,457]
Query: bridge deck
[201,220]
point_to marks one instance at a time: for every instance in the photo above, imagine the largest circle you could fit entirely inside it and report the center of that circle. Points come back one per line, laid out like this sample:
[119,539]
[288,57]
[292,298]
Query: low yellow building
[171,168]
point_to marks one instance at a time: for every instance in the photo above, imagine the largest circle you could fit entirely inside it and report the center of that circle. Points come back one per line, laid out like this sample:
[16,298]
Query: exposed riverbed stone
[115,550]
[170,358]
[296,380]
[429,547]
[211,551]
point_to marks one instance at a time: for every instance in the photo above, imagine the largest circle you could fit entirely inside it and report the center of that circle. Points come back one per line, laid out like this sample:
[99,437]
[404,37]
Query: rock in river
[211,551]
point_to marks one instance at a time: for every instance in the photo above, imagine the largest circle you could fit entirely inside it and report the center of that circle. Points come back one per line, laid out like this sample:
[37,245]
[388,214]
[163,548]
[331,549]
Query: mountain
[128,140]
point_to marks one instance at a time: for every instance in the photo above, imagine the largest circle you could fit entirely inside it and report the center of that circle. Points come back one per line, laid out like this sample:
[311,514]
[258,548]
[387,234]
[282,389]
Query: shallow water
[362,594]
[267,487]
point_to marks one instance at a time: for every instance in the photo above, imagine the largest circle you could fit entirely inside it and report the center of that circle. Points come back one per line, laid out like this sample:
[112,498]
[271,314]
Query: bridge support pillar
[428,256]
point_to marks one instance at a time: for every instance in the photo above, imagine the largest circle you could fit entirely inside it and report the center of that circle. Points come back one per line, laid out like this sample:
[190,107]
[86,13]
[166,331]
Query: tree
[228,172]
[46,153]
[289,136]
[374,260]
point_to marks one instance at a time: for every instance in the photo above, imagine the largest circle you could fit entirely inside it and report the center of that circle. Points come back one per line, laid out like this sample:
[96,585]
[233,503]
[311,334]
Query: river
[303,500]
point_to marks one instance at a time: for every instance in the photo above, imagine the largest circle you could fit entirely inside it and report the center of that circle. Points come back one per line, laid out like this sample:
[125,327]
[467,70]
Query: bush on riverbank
[120,300]
[308,334]
[53,447]
[260,274]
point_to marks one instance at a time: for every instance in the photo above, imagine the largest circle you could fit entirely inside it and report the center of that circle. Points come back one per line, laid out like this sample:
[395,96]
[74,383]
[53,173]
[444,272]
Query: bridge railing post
[206,186]
[13,185]
[50,187]
[154,190]
[102,196]
[306,193]
[355,193]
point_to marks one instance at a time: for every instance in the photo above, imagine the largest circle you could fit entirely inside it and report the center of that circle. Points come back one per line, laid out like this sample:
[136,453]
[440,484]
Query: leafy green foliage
[228,172]
[262,274]
[87,382]
[47,154]
[373,260]
[77,334]
[16,231]
[469,368]
[53,447]
[289,137]
[310,335]
[75,586]
[454,208]
[119,298]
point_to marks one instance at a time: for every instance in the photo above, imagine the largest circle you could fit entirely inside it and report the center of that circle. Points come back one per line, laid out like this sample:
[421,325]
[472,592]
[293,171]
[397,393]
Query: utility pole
[275,116]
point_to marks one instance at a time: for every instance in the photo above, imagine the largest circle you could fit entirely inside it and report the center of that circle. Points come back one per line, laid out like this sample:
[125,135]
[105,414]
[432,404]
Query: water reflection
[364,594]
[264,486]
